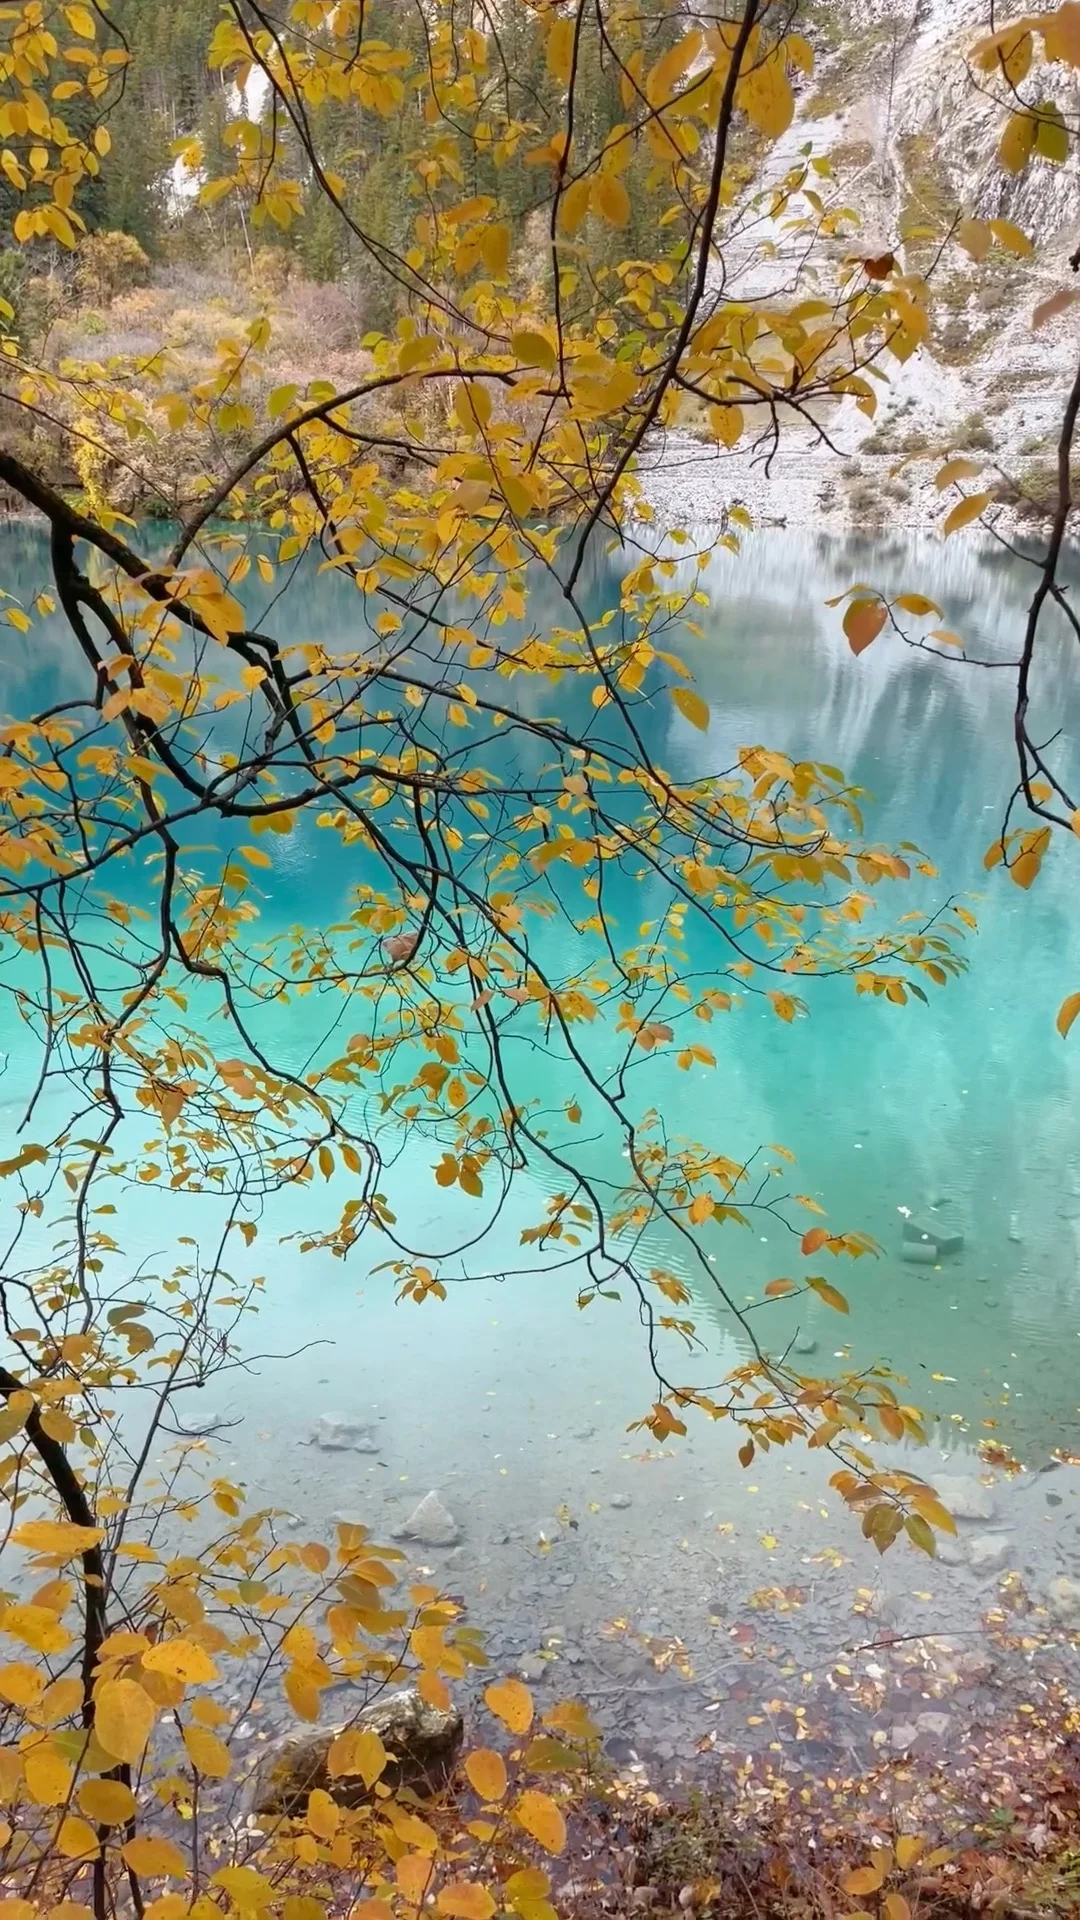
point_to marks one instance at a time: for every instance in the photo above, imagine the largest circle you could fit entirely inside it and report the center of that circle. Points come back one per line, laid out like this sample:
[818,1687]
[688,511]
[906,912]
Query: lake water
[515,1405]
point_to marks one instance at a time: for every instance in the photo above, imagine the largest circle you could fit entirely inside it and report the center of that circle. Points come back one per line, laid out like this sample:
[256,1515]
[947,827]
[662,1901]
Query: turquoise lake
[514,1404]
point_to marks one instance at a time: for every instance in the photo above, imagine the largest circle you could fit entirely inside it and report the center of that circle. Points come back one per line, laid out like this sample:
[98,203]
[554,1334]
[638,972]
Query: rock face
[1064,1598]
[422,1742]
[430,1524]
[965,1497]
[343,1433]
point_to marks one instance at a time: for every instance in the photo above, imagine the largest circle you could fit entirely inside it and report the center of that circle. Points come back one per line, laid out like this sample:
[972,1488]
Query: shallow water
[513,1403]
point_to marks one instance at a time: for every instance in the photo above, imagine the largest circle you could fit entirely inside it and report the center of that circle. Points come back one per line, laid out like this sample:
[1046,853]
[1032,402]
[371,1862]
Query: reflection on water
[507,1398]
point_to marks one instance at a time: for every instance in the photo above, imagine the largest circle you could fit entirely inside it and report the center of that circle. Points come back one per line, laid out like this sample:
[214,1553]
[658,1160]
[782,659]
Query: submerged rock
[919,1253]
[935,1234]
[344,1433]
[988,1552]
[430,1524]
[422,1742]
[1063,1595]
[965,1497]
[805,1343]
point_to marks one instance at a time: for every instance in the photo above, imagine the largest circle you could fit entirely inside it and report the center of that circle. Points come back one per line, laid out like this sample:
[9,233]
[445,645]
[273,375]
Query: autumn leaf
[966,511]
[511,1702]
[486,1773]
[863,622]
[147,1854]
[1067,1013]
[541,1818]
[692,707]
[124,1716]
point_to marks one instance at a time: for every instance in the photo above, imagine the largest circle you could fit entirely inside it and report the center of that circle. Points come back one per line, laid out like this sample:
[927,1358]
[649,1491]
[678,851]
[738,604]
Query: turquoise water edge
[513,1403]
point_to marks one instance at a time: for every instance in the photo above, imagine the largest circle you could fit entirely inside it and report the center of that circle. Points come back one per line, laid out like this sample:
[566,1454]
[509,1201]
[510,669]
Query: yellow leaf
[207,1753]
[1011,238]
[1017,142]
[323,1816]
[510,1702]
[559,51]
[109,1802]
[574,204]
[726,424]
[541,1818]
[610,199]
[863,1880]
[37,1627]
[148,1853]
[917,603]
[975,237]
[895,1907]
[831,1295]
[21,1684]
[966,511]
[124,1716]
[486,1773]
[533,349]
[15,617]
[863,622]
[81,21]
[182,1659]
[48,1776]
[1067,1013]
[465,1900]
[75,1839]
[692,707]
[927,1503]
[908,1849]
[361,1751]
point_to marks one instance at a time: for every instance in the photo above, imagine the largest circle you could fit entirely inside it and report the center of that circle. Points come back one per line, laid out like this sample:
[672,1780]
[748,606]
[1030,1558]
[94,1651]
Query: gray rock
[1053,1499]
[988,1552]
[934,1725]
[620,1500]
[1063,1596]
[805,1343]
[347,1517]
[430,1524]
[903,1737]
[584,1433]
[935,1233]
[919,1253]
[965,1497]
[343,1433]
[422,1742]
